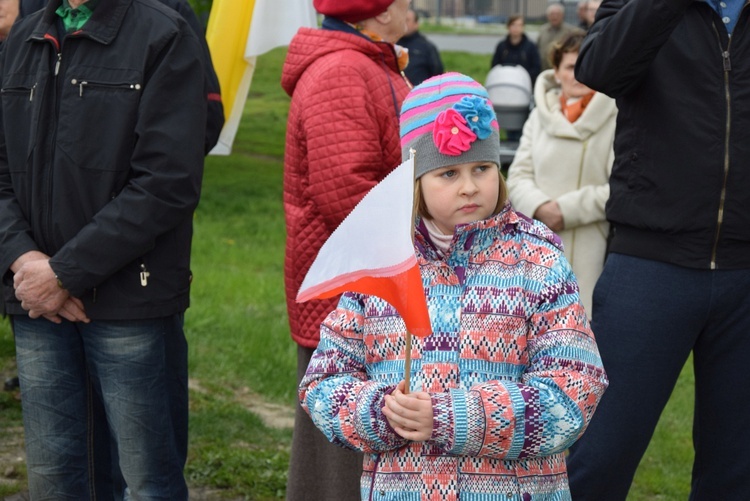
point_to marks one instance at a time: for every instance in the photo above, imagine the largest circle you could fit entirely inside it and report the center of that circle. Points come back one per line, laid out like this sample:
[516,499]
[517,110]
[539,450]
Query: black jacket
[215,111]
[524,54]
[680,184]
[101,155]
[424,58]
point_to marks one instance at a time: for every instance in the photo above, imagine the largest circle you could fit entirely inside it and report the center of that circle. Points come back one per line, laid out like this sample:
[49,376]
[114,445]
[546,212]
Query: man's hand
[71,310]
[549,213]
[37,289]
[27,257]
[410,414]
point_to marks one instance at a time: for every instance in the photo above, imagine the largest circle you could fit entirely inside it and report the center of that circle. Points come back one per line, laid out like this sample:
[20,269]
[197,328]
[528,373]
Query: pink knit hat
[352,11]
[448,120]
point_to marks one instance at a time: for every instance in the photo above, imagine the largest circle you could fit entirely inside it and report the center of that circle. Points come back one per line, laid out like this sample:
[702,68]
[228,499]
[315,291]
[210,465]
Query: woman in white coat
[561,169]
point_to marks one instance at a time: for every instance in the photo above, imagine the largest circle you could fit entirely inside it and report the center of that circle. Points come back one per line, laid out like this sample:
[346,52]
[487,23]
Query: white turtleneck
[440,239]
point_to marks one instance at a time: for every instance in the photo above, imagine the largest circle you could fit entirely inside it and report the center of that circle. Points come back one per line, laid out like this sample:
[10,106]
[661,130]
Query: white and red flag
[372,252]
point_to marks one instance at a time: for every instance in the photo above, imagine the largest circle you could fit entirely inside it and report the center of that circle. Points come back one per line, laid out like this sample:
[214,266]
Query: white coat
[569,163]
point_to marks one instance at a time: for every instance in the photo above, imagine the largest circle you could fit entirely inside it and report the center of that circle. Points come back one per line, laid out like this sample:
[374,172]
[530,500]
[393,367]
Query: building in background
[490,11]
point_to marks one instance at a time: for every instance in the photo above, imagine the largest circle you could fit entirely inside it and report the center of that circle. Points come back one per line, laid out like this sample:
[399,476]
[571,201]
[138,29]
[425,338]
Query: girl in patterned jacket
[511,374]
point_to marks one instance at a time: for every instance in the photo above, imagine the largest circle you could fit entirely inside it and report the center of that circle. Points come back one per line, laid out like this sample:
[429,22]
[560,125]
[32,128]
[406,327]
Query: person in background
[517,50]
[215,108]
[560,173]
[552,32]
[8,15]
[97,263]
[591,7]
[581,12]
[347,86]
[510,375]
[677,275]
[424,57]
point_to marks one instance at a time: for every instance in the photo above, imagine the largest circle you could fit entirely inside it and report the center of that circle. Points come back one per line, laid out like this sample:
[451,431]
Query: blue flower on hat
[478,114]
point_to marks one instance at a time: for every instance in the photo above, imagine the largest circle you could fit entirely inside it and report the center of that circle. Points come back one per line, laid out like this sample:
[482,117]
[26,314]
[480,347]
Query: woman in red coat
[347,86]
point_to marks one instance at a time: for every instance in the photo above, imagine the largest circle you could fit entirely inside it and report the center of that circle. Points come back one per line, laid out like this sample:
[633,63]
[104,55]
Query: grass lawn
[240,350]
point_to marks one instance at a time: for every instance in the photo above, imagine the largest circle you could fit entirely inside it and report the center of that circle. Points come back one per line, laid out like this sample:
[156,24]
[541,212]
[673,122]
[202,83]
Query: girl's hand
[410,415]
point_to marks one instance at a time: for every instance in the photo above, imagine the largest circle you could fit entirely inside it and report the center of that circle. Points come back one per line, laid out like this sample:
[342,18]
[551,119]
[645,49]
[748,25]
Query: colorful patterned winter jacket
[512,367]
[341,140]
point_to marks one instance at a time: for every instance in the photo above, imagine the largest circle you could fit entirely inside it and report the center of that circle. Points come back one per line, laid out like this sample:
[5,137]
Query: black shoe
[11,383]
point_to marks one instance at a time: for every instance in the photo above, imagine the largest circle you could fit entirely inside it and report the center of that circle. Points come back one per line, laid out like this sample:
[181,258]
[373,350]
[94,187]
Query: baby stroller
[510,91]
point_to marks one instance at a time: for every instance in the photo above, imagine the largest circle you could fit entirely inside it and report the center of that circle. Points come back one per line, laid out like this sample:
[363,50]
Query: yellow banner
[227,34]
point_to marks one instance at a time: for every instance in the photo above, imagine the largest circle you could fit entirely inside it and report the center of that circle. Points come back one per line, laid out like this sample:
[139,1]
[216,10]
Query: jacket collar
[333,24]
[103,26]
[547,99]
[311,44]
[507,221]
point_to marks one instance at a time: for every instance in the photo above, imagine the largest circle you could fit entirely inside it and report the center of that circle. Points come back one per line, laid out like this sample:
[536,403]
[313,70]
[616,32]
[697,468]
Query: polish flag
[372,252]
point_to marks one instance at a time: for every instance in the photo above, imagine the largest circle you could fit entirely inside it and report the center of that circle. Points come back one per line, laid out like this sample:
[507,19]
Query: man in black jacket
[106,453]
[215,108]
[102,125]
[678,273]
[424,58]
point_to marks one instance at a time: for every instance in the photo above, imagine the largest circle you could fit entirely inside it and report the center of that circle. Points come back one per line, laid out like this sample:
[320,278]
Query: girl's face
[461,193]
[566,75]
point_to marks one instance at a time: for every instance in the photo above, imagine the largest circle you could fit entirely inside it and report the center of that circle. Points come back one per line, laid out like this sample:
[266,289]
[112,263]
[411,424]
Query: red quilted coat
[342,138]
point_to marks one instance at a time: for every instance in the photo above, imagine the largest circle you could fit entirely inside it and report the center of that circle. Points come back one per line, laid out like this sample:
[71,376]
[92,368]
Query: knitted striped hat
[449,120]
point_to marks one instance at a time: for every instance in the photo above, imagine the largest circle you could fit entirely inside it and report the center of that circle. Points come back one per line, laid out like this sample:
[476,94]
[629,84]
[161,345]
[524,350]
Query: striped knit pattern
[512,368]
[419,111]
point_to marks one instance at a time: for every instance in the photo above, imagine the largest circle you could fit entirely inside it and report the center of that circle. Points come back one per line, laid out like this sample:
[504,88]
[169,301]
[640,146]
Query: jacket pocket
[20,98]
[98,117]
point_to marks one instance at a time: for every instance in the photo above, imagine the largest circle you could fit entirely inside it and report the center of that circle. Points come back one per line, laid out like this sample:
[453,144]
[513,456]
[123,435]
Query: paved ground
[475,44]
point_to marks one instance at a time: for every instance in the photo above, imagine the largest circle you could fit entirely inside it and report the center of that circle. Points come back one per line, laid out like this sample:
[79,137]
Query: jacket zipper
[144,274]
[82,84]
[47,216]
[20,90]
[722,199]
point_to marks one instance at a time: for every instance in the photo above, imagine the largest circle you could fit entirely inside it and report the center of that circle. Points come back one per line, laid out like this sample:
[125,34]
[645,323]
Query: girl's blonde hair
[420,207]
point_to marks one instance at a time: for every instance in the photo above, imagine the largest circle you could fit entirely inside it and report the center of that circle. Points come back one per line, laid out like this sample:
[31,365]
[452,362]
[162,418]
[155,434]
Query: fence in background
[489,11]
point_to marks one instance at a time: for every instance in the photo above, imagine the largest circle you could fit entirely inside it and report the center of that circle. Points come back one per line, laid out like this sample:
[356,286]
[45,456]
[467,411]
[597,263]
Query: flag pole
[407,360]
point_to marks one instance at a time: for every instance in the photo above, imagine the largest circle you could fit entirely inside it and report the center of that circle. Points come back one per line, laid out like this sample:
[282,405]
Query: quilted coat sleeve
[550,407]
[347,134]
[341,401]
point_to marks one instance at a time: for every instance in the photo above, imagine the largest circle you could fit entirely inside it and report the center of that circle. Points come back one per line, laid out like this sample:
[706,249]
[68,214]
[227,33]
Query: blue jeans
[81,383]
[647,318]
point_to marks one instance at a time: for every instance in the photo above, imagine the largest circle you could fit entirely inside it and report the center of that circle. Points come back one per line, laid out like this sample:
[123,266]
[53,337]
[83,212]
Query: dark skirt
[319,470]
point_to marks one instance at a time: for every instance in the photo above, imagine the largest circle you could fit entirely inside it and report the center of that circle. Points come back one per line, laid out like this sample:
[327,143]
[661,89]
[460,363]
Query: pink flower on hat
[451,133]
